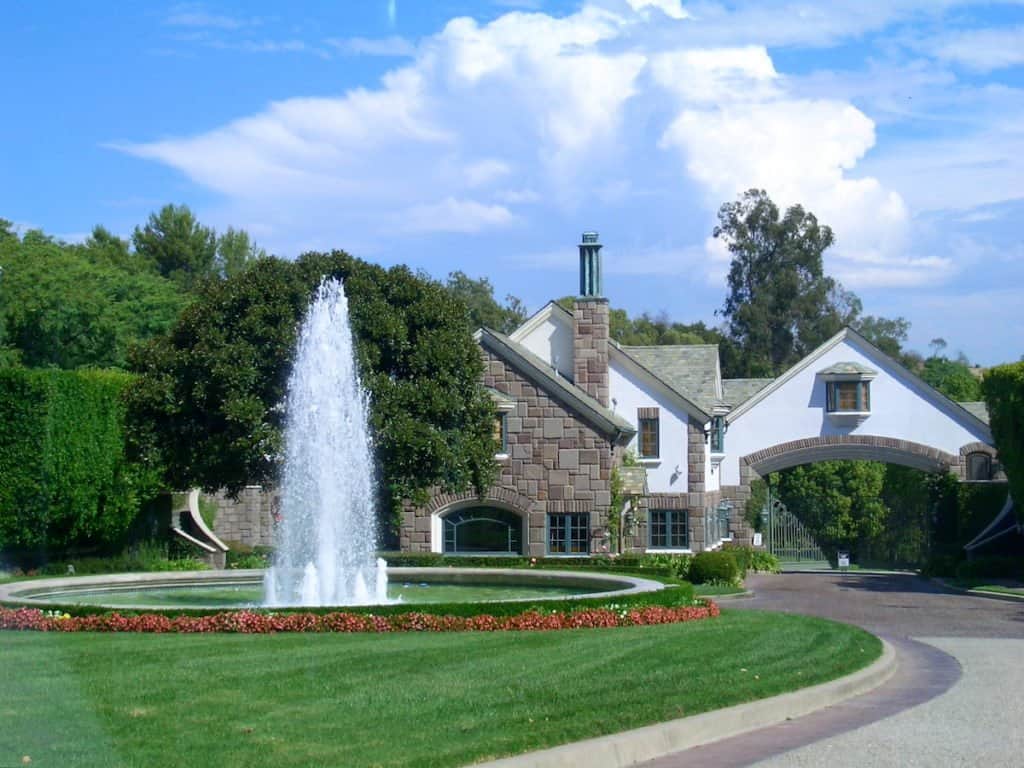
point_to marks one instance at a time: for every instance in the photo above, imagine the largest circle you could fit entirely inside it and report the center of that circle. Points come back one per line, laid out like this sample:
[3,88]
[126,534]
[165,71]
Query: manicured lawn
[392,700]
[711,590]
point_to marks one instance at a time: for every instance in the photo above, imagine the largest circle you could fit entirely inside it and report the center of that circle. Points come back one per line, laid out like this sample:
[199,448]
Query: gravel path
[957,698]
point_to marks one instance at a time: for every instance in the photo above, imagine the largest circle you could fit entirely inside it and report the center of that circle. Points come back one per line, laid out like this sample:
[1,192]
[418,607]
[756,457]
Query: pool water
[250,595]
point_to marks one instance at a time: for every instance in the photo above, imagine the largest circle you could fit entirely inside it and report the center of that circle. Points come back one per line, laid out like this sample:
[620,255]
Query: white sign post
[757,539]
[844,560]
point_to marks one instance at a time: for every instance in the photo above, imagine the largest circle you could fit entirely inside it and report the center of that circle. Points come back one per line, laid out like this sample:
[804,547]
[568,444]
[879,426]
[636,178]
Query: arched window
[483,531]
[979,466]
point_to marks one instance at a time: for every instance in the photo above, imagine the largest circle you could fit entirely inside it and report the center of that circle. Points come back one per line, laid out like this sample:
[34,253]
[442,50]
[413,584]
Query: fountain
[326,540]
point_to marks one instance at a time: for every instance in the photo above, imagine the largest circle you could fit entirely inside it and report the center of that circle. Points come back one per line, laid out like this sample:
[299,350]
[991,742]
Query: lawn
[389,700]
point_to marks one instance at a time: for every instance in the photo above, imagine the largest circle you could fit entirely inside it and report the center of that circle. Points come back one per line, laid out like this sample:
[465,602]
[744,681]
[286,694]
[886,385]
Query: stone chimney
[590,324]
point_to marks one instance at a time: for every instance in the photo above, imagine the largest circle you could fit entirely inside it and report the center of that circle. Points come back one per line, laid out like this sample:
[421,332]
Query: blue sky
[485,136]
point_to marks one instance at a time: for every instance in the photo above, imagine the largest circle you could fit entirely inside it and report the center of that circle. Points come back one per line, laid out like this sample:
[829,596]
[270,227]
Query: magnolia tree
[208,404]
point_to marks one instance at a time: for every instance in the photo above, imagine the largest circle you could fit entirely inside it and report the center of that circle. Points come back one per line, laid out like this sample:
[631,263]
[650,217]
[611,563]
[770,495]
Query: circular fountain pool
[244,589]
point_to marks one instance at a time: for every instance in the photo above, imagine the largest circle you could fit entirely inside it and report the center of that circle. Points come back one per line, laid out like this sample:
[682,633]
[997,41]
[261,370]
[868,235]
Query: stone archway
[848,447]
[442,505]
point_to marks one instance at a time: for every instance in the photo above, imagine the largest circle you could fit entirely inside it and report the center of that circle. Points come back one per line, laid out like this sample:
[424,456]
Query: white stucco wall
[628,393]
[551,340]
[900,408]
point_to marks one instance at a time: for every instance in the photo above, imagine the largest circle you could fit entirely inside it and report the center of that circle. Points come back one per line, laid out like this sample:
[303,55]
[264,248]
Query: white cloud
[451,215]
[393,46]
[488,118]
[982,50]
[671,8]
[192,16]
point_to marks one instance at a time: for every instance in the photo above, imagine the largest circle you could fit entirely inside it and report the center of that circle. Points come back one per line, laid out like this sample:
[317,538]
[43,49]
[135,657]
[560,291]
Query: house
[575,408]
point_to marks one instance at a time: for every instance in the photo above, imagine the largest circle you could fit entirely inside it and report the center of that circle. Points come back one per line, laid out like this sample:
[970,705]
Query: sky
[485,136]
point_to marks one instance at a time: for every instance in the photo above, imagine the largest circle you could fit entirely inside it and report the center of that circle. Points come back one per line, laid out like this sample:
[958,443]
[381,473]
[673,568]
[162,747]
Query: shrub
[240,556]
[145,556]
[67,482]
[717,567]
[991,567]
[941,565]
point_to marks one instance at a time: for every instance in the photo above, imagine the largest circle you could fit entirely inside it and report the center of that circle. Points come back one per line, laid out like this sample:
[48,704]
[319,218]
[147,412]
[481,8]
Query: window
[483,531]
[718,434]
[569,534]
[853,396]
[501,432]
[979,466]
[668,529]
[648,424]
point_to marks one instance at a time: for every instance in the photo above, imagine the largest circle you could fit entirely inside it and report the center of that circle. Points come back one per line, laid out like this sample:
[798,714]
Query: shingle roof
[690,369]
[735,391]
[848,369]
[561,388]
[977,409]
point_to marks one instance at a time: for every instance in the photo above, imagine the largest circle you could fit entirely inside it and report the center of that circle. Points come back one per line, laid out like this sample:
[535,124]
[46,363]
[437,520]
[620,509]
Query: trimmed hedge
[993,567]
[67,482]
[663,566]
[670,597]
[717,567]
[1003,387]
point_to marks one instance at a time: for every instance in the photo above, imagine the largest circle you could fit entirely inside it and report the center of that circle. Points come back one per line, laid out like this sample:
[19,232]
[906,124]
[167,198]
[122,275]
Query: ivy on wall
[1003,387]
[66,480]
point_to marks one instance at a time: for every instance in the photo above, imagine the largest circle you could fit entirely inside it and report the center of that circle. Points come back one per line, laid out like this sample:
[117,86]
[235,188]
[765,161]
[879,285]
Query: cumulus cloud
[577,111]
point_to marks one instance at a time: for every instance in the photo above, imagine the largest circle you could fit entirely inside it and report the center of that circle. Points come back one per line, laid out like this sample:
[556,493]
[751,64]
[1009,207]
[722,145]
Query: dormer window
[845,396]
[848,391]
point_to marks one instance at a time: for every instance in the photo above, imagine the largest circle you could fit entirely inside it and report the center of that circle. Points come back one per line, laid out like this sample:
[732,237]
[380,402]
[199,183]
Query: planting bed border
[638,601]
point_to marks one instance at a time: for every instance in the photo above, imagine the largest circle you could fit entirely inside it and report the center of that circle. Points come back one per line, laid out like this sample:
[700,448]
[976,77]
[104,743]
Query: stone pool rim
[31,593]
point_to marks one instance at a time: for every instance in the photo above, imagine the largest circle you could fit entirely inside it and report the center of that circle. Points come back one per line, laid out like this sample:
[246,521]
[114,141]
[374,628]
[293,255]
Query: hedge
[1003,387]
[66,480]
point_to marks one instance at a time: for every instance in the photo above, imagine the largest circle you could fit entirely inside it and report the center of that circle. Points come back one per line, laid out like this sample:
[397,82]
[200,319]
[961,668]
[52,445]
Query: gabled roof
[977,408]
[736,391]
[689,369]
[549,310]
[544,376]
[618,354]
[848,334]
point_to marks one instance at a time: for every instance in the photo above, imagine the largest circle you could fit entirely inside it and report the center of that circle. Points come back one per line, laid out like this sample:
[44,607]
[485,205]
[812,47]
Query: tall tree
[484,309]
[69,306]
[953,378]
[780,304]
[178,245]
[235,252]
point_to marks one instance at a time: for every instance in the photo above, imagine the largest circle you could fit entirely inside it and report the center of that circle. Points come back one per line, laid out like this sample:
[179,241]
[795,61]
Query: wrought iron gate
[786,537]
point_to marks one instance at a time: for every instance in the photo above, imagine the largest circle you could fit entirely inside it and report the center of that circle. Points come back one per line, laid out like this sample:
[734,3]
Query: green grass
[710,590]
[981,585]
[389,700]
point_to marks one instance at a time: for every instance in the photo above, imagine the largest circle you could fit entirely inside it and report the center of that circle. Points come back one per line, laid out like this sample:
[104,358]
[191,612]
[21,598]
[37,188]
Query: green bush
[241,556]
[991,568]
[145,556]
[717,567]
[67,482]
[664,565]
[1003,387]
[941,565]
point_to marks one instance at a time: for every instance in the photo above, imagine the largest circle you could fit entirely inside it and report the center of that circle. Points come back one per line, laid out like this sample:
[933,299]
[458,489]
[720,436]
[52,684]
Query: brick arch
[501,497]
[857,447]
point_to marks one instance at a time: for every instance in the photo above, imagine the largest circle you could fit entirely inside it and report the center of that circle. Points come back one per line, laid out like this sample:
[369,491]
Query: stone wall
[590,334]
[555,463]
[248,520]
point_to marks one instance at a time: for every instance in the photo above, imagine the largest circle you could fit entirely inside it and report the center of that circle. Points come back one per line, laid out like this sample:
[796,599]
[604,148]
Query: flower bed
[251,622]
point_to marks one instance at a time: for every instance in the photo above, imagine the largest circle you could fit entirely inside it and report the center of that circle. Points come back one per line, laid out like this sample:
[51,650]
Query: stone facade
[556,463]
[591,330]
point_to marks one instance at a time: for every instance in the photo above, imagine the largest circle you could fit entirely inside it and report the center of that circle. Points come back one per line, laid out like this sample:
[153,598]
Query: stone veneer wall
[556,463]
[590,334]
[247,520]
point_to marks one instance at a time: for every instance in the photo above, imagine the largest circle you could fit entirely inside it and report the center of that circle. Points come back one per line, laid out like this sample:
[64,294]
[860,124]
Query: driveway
[957,698]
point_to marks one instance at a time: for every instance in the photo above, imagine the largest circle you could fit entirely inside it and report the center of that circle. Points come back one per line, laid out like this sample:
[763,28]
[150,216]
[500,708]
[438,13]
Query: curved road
[956,699]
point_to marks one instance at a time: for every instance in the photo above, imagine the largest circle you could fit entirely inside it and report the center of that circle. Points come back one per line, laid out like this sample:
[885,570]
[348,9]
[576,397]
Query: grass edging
[652,741]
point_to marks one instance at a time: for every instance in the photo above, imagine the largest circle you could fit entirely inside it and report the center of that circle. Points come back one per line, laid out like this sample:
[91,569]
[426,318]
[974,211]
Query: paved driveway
[957,698]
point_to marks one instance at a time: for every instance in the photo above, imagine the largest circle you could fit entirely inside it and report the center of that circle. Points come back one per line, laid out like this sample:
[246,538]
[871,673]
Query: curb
[732,596]
[642,744]
[1006,598]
